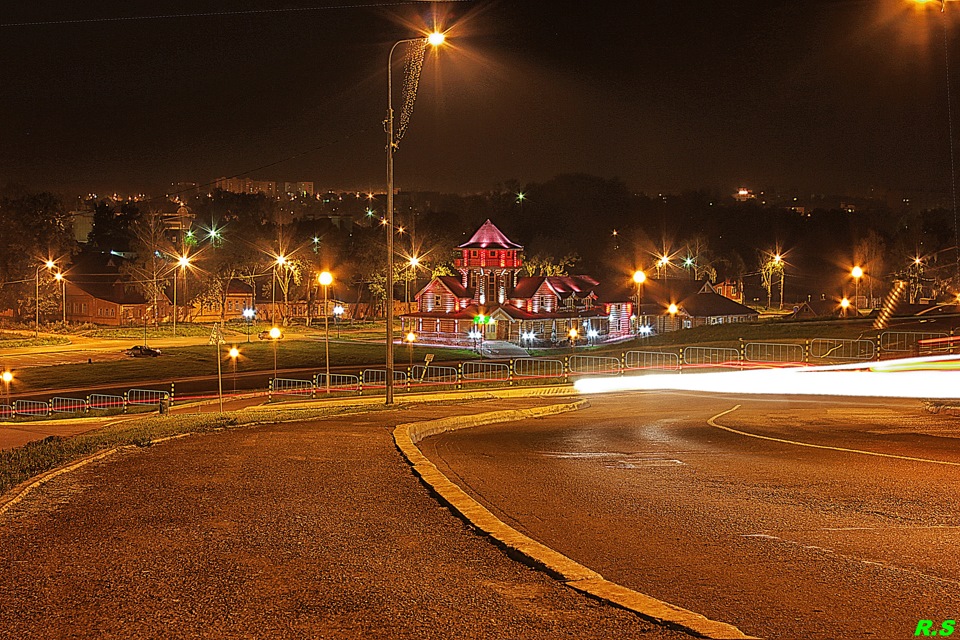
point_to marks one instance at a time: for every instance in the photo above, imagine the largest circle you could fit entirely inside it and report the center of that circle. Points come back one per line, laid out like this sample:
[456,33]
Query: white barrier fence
[842,349]
[434,374]
[537,368]
[594,365]
[68,405]
[142,397]
[292,387]
[906,341]
[338,382]
[104,402]
[653,360]
[780,353]
[486,371]
[711,356]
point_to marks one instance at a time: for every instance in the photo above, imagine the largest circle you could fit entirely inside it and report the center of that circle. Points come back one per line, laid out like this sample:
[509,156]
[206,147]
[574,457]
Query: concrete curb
[528,550]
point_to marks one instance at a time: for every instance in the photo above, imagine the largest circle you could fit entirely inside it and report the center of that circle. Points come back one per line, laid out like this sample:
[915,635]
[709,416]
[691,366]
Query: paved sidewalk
[302,530]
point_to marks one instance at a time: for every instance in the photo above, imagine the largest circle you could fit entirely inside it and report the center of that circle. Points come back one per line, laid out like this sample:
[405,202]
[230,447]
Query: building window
[493,254]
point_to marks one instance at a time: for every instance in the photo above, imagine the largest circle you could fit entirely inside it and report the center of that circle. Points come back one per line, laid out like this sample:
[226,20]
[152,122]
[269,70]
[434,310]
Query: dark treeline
[569,224]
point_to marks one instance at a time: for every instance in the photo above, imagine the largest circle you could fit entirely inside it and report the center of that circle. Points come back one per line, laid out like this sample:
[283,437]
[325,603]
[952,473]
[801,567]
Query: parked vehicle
[142,351]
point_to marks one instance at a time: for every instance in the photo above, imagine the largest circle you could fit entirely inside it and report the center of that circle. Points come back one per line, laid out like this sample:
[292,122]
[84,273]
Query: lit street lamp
[182,263]
[414,263]
[325,279]
[337,312]
[410,338]
[280,262]
[58,276]
[857,273]
[639,277]
[234,353]
[274,336]
[7,378]
[248,314]
[845,304]
[435,39]
[49,264]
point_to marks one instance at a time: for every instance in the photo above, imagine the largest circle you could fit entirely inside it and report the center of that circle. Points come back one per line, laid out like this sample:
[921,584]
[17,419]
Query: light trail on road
[935,377]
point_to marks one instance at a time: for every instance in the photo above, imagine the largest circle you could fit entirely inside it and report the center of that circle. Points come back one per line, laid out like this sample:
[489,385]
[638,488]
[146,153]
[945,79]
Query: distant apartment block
[247,185]
[266,187]
[298,188]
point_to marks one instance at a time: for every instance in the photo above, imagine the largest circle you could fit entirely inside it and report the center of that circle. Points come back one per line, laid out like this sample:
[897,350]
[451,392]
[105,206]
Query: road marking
[843,556]
[712,422]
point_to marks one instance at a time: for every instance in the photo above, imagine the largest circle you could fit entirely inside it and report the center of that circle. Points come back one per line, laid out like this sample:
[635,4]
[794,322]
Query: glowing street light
[234,353]
[49,264]
[281,261]
[410,338]
[58,276]
[182,263]
[639,277]
[248,315]
[325,279]
[7,378]
[434,39]
[274,336]
[844,304]
[857,273]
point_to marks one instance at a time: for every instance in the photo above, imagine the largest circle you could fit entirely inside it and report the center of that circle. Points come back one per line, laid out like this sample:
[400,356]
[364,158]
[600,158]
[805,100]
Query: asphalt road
[304,530]
[781,540]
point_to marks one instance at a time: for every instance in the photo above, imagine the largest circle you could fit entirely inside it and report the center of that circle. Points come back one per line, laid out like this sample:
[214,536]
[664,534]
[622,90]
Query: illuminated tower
[489,265]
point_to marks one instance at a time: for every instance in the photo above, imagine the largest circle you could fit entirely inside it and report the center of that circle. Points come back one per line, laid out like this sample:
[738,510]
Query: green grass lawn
[177,363]
[19,339]
[362,347]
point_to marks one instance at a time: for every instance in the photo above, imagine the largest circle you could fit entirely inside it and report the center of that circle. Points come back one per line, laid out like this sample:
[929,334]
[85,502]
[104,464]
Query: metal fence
[654,360]
[537,368]
[338,382]
[529,370]
[30,408]
[842,349]
[906,341]
[434,374]
[147,396]
[485,371]
[377,378]
[772,352]
[292,387]
[711,355]
[594,365]
[68,405]
[104,402]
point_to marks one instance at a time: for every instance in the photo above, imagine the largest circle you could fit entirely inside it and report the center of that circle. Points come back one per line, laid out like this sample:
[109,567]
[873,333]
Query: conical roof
[489,237]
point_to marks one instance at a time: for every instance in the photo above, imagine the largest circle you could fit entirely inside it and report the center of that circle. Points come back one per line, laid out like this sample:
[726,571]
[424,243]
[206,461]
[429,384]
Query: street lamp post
[435,39]
[234,353]
[845,304]
[325,279]
[337,312]
[857,273]
[248,314]
[182,262]
[414,262]
[274,336]
[7,378]
[281,261]
[639,277]
[49,264]
[411,338]
[58,276]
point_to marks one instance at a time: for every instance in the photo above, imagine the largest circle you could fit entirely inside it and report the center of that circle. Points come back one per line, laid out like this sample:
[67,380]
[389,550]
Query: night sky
[817,96]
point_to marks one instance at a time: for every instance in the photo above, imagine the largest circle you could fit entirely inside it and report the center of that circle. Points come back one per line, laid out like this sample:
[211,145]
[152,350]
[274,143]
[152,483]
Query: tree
[152,265]
[36,228]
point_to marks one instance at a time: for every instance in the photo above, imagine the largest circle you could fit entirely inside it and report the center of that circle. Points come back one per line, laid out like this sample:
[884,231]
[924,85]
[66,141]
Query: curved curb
[528,550]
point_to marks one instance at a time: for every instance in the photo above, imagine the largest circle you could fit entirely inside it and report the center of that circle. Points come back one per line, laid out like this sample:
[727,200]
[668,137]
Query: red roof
[489,237]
